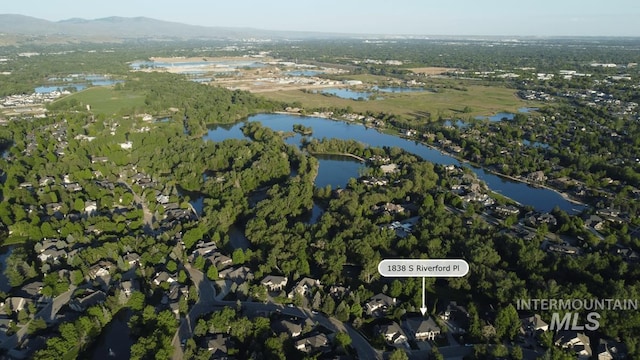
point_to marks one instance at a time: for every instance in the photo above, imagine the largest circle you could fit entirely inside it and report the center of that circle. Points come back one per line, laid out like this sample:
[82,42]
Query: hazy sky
[420,17]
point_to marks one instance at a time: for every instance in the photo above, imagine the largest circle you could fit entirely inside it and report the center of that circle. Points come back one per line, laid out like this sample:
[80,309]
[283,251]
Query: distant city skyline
[398,17]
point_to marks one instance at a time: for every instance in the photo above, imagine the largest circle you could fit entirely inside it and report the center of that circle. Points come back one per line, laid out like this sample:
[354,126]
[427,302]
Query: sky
[402,17]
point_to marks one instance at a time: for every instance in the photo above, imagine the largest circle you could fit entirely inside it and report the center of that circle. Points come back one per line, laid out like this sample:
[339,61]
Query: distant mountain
[135,28]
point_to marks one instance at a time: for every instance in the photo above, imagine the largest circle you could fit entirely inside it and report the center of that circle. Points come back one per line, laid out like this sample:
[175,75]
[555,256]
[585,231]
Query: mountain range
[124,28]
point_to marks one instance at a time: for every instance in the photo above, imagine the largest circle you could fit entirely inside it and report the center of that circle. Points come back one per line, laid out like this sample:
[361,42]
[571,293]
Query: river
[539,198]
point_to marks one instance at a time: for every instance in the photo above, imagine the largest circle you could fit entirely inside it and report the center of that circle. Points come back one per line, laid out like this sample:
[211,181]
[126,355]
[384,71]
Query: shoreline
[460,159]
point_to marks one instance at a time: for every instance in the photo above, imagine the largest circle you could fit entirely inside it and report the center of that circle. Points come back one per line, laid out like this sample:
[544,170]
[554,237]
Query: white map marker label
[423,268]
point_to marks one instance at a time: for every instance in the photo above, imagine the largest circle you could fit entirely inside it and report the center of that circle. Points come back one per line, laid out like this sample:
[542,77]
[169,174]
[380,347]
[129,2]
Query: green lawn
[106,100]
[482,100]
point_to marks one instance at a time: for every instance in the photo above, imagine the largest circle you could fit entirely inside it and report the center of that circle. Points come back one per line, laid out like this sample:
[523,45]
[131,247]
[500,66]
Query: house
[389,168]
[578,342]
[16,303]
[99,159]
[133,259]
[274,282]
[389,208]
[611,350]
[128,287]
[532,324]
[90,207]
[51,254]
[595,222]
[379,303]
[304,287]
[238,275]
[218,345]
[564,249]
[627,253]
[537,176]
[162,277]
[392,333]
[290,327]
[88,300]
[422,329]
[507,210]
[100,269]
[219,261]
[457,318]
[32,290]
[312,344]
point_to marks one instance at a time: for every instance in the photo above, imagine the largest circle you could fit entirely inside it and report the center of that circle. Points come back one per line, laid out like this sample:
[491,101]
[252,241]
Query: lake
[540,199]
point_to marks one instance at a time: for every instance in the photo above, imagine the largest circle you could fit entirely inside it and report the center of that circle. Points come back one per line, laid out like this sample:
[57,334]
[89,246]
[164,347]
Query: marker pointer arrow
[423,309]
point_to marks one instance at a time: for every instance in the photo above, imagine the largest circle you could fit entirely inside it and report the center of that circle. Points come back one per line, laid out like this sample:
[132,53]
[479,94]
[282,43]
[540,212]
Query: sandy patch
[432,70]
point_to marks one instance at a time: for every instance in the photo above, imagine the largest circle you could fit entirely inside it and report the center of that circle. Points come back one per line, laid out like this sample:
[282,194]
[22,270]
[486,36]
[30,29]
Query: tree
[343,339]
[398,354]
[238,256]
[212,273]
[507,323]
[342,311]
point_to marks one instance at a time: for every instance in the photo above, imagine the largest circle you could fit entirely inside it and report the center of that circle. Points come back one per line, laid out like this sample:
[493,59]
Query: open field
[106,100]
[431,70]
[482,100]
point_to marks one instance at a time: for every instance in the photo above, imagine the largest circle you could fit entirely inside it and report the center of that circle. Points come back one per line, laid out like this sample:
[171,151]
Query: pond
[539,198]
[399,89]
[304,72]
[347,93]
[51,88]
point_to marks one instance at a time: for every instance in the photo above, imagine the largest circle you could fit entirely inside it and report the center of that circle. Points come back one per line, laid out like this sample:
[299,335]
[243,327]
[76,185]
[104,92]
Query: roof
[421,325]
[273,280]
[312,342]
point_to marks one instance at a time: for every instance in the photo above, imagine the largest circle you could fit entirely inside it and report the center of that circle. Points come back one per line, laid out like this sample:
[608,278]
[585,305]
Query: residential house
[392,333]
[304,287]
[220,261]
[52,255]
[129,286]
[133,259]
[611,350]
[15,303]
[100,269]
[595,222]
[537,176]
[507,210]
[292,328]
[389,168]
[313,344]
[87,300]
[218,345]
[90,207]
[379,304]
[274,282]
[99,159]
[162,277]
[457,318]
[627,253]
[578,342]
[532,324]
[422,329]
[564,249]
[33,290]
[238,275]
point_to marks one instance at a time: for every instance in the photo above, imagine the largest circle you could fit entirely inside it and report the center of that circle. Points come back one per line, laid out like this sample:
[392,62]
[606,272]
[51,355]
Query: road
[48,313]
[147,215]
